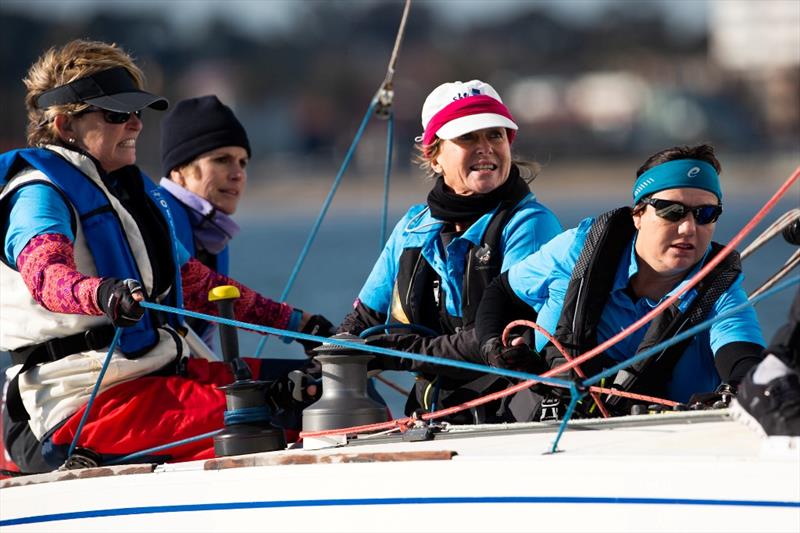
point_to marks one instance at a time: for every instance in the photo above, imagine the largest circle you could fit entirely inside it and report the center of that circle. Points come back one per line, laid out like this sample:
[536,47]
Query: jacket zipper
[467,270]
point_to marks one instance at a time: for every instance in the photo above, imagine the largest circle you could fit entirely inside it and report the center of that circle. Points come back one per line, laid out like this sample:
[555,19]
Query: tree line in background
[622,84]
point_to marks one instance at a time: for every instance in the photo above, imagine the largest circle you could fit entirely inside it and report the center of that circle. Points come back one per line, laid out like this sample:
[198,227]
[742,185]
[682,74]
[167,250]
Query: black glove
[317,325]
[293,391]
[520,357]
[403,343]
[115,300]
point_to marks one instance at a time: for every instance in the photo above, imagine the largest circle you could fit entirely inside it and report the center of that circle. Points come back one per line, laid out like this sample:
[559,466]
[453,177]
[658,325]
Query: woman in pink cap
[480,218]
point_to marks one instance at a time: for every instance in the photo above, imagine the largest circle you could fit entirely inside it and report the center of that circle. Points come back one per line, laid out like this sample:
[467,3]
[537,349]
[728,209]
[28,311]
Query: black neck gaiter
[448,206]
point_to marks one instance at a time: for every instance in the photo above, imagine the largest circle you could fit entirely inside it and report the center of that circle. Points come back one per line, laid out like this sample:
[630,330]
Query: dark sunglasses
[675,211]
[112,117]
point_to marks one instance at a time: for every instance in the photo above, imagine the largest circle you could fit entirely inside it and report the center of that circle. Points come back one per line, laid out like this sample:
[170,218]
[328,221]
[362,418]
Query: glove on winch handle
[225,295]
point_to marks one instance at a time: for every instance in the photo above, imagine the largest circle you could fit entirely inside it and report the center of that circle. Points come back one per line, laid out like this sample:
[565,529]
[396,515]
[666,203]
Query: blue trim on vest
[185,232]
[102,228]
[176,295]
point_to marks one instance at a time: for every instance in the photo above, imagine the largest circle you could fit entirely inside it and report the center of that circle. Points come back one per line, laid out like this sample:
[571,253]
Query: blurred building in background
[619,79]
[760,43]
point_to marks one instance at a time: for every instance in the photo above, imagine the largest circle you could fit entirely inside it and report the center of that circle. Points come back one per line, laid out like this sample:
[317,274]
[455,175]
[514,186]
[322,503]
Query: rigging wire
[386,173]
[381,106]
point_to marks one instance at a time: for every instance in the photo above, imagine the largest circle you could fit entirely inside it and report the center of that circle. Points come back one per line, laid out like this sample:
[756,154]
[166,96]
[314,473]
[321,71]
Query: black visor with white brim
[113,90]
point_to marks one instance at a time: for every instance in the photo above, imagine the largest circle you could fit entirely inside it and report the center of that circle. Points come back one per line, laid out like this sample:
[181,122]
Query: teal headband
[677,174]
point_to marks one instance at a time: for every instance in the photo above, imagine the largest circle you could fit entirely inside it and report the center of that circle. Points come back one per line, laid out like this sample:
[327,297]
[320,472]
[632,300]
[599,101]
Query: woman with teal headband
[590,282]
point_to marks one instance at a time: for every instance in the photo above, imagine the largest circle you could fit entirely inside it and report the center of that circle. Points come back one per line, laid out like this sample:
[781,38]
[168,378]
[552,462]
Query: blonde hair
[426,153]
[59,66]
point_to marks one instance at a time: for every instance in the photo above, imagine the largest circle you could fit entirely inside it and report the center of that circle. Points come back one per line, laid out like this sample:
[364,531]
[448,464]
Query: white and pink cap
[456,108]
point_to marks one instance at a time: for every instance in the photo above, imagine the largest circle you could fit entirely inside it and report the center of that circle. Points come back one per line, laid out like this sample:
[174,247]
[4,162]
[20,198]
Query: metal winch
[344,400]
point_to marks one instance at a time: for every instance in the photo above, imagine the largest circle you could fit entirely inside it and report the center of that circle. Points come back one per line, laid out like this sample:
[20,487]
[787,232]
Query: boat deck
[662,472]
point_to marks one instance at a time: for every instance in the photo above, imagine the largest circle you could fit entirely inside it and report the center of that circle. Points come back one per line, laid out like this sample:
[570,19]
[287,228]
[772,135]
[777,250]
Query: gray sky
[259,16]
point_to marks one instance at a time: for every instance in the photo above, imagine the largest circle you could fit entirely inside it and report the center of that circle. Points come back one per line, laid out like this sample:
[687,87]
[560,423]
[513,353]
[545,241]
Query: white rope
[777,227]
[788,218]
[792,262]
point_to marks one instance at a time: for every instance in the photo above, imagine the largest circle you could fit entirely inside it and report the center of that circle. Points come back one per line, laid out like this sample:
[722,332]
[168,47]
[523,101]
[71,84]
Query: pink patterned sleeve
[198,279]
[47,266]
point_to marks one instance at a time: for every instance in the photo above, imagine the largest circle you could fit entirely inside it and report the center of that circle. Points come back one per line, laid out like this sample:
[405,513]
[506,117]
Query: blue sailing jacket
[530,226]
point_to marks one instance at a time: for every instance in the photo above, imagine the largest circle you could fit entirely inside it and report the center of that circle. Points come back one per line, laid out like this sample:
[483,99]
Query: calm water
[347,246]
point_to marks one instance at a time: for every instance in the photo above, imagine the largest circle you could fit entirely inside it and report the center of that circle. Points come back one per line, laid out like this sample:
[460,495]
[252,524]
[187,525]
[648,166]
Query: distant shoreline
[742,177]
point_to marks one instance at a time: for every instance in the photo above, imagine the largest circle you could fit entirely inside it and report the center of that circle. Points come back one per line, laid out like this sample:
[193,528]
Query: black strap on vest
[589,286]
[46,352]
[651,375]
[587,295]
[483,264]
[414,281]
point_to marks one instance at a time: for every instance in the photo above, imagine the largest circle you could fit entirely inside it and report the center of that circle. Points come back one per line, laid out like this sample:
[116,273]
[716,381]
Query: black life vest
[413,293]
[587,295]
[417,282]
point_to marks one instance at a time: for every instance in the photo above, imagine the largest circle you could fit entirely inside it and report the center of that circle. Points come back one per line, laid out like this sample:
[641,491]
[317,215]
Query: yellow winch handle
[223,292]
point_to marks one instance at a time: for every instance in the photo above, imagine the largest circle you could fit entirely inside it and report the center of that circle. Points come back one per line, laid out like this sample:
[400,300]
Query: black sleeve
[361,318]
[734,360]
[498,307]
[461,346]
[786,341]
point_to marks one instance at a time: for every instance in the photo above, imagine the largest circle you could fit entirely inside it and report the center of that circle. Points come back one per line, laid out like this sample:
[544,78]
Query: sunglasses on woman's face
[112,117]
[676,211]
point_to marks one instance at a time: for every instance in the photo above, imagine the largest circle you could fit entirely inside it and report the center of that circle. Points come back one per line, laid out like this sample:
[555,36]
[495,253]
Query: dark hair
[703,152]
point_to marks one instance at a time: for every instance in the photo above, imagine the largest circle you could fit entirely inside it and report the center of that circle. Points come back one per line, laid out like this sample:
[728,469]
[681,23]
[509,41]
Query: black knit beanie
[195,126]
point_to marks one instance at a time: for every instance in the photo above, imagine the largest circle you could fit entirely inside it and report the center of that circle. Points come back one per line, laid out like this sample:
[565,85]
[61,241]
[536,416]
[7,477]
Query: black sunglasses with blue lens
[112,117]
[676,211]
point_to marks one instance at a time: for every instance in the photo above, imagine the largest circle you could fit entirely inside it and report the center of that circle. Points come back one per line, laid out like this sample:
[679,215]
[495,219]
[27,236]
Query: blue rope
[575,394]
[361,347]
[325,205]
[397,325]
[386,173]
[237,416]
[97,383]
[688,333]
[436,390]
[246,415]
[575,397]
[155,449]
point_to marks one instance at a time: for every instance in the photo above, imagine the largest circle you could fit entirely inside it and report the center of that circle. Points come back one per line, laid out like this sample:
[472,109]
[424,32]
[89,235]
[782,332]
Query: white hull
[671,472]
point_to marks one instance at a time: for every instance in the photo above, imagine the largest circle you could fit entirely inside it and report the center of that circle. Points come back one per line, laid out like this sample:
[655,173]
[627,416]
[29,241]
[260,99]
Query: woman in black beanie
[204,155]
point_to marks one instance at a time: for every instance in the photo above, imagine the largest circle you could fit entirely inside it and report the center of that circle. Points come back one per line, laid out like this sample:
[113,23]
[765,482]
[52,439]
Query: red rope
[405,422]
[560,347]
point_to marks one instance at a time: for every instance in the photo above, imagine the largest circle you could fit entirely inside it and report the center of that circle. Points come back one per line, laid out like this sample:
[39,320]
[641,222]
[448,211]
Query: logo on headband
[694,171]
